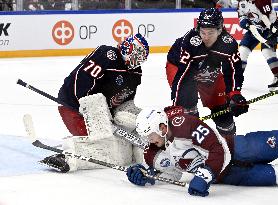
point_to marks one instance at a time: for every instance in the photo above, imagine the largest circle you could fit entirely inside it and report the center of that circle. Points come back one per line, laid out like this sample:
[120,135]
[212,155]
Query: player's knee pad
[225,124]
[125,115]
[111,150]
[97,116]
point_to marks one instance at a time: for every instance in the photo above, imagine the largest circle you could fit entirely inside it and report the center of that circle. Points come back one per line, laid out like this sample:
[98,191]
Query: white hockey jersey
[255,11]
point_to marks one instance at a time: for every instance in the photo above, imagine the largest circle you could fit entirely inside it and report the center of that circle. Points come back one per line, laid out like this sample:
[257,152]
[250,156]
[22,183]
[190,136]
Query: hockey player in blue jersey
[103,85]
[259,18]
[205,64]
[184,148]
[114,72]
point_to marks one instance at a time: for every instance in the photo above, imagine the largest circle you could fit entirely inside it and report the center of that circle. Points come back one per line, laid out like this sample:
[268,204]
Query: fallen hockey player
[184,148]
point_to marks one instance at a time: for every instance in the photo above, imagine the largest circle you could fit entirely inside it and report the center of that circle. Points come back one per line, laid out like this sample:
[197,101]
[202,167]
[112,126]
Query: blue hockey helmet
[210,18]
[135,50]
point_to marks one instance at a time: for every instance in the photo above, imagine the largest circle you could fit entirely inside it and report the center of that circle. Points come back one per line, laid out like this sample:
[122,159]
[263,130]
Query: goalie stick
[29,127]
[118,131]
[253,100]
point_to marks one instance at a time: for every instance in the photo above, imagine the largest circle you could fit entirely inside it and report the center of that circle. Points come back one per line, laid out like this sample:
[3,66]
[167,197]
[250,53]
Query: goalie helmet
[135,50]
[148,121]
[210,18]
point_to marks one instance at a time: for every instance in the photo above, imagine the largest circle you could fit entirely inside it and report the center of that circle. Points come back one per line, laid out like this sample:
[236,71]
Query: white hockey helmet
[148,121]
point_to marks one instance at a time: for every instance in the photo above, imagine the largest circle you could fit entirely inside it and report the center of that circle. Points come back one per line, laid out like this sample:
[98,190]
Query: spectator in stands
[205,3]
[227,4]
[32,5]
[6,5]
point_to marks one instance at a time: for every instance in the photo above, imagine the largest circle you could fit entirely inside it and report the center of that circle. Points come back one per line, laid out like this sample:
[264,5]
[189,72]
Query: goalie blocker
[100,143]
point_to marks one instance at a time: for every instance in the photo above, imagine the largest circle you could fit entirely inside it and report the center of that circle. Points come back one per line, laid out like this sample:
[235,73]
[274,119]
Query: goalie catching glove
[136,175]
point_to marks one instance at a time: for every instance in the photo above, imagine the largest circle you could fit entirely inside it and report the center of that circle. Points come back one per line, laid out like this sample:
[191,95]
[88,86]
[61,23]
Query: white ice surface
[23,181]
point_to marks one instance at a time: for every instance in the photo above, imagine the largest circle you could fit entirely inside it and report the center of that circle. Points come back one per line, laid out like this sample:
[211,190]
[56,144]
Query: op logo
[63,32]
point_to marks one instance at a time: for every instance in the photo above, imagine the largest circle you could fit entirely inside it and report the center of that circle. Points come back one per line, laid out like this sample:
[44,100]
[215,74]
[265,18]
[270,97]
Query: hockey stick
[29,127]
[253,100]
[257,35]
[26,85]
[118,131]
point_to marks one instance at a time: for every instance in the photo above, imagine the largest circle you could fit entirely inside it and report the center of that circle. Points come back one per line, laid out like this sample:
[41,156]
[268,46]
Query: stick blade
[29,127]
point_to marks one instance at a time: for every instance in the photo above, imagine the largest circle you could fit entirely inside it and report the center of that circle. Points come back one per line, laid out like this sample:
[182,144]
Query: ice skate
[274,85]
[57,162]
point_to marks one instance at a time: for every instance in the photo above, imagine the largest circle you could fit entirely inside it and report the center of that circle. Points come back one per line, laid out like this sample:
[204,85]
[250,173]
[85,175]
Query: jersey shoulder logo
[227,39]
[111,55]
[177,121]
[195,40]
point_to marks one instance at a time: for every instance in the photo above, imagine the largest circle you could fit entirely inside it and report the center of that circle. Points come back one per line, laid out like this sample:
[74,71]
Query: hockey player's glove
[274,28]
[272,40]
[238,103]
[245,23]
[136,175]
[200,184]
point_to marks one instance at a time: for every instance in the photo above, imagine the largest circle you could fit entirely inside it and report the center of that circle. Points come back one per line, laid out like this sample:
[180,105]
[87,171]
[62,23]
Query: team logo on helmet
[177,121]
[227,39]
[111,55]
[196,40]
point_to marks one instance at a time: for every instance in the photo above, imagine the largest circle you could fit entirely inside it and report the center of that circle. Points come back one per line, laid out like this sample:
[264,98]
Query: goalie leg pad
[125,115]
[138,155]
[97,116]
[111,150]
